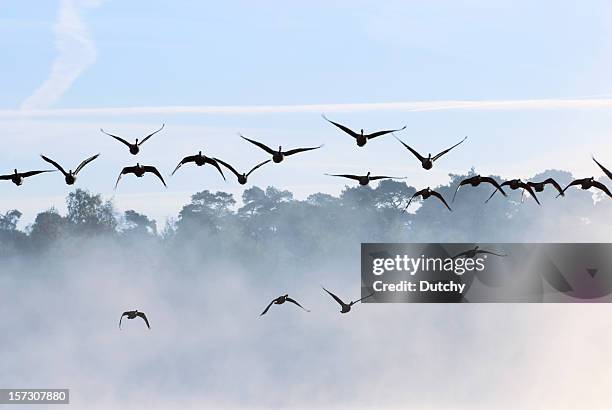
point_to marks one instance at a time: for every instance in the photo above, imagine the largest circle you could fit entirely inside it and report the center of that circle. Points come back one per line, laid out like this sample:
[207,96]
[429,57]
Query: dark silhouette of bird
[199,159]
[278,156]
[427,162]
[133,314]
[242,178]
[18,177]
[280,300]
[70,176]
[139,171]
[469,254]
[587,183]
[135,147]
[515,184]
[360,137]
[346,307]
[364,179]
[477,180]
[425,194]
[607,172]
[539,186]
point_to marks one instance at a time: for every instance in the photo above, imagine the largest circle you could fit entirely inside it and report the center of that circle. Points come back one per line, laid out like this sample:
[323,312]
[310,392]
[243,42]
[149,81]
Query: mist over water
[204,280]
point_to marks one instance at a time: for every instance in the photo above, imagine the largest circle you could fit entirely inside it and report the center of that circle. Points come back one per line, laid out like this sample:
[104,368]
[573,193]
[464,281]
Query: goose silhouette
[469,254]
[515,184]
[539,186]
[242,178]
[199,159]
[426,194]
[360,137]
[278,156]
[70,176]
[607,172]
[477,180]
[364,179]
[587,183]
[427,162]
[280,300]
[345,307]
[135,147]
[17,178]
[133,314]
[139,171]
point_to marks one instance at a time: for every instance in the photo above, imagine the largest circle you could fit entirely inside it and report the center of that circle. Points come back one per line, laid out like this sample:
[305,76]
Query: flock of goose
[277,156]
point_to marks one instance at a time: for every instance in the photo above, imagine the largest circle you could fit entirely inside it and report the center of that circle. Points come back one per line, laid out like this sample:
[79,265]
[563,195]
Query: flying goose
[587,183]
[469,254]
[18,177]
[70,176]
[135,147]
[363,179]
[539,186]
[515,184]
[346,307]
[477,180]
[199,159]
[427,162]
[133,314]
[139,171]
[278,156]
[242,178]
[360,137]
[279,301]
[425,194]
[607,172]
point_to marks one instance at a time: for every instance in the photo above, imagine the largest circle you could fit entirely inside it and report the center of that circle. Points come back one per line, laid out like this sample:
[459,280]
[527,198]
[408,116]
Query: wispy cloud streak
[76,52]
[409,106]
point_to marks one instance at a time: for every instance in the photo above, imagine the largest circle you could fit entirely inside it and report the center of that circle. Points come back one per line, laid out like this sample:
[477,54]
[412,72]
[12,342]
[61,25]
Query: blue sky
[117,54]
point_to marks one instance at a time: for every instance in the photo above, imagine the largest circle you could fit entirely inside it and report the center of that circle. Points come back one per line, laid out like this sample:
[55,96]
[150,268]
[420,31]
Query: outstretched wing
[124,171]
[257,166]
[296,303]
[55,164]
[150,135]
[573,183]
[214,163]
[336,298]
[498,187]
[121,318]
[6,177]
[462,183]
[556,185]
[379,133]
[297,150]
[491,253]
[184,161]
[342,127]
[418,193]
[82,164]
[607,172]
[260,145]
[142,315]
[154,170]
[231,168]
[446,150]
[601,186]
[267,308]
[441,198]
[374,178]
[414,152]
[529,189]
[349,176]
[363,298]
[493,182]
[117,138]
[32,173]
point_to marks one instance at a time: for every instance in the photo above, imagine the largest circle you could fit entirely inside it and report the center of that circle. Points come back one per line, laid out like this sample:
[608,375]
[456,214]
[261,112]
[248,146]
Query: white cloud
[407,106]
[76,52]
